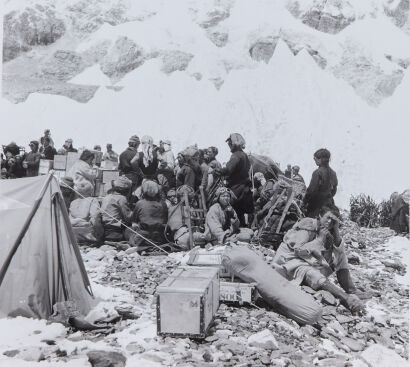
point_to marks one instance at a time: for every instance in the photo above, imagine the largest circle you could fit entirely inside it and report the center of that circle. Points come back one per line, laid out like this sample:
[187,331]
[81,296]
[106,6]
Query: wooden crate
[209,258]
[236,292]
[110,165]
[186,303]
[60,162]
[72,157]
[45,166]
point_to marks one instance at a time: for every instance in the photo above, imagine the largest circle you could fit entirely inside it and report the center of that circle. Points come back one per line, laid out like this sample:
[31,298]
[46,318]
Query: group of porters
[301,224]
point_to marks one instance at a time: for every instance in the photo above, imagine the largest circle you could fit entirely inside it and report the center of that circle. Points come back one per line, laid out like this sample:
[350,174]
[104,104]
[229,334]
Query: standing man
[47,134]
[128,169]
[110,156]
[296,176]
[49,151]
[236,173]
[32,160]
[322,187]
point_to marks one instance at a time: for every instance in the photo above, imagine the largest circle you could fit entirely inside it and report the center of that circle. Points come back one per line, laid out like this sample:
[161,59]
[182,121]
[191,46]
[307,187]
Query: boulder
[380,356]
[99,358]
[264,339]
[262,50]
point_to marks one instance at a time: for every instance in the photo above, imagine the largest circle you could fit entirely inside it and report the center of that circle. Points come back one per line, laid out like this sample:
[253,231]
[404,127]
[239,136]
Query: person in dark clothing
[32,160]
[288,171]
[399,214]
[190,172]
[147,159]
[49,151]
[68,146]
[236,173]
[151,216]
[47,134]
[322,187]
[131,170]
[66,186]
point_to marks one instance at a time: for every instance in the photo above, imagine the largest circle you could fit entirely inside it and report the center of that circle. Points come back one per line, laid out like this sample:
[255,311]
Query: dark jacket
[49,152]
[132,171]
[237,177]
[186,176]
[237,169]
[321,190]
[150,171]
[33,163]
[400,210]
[151,214]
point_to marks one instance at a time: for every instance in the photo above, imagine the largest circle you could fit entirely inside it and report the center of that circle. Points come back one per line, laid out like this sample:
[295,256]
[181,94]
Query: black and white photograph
[205,183]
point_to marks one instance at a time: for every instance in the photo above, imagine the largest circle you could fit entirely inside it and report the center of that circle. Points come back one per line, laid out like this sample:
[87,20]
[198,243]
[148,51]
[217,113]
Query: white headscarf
[146,147]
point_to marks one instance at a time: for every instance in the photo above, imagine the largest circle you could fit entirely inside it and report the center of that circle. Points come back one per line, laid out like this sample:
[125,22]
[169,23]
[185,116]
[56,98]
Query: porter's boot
[350,301]
[345,280]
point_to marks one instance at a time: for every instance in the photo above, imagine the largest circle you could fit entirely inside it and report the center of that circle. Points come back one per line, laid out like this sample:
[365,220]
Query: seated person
[151,215]
[311,251]
[83,214]
[66,186]
[82,170]
[178,217]
[222,223]
[116,211]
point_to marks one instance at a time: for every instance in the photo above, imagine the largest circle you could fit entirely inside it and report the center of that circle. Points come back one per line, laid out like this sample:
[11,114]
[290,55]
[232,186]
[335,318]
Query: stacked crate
[187,302]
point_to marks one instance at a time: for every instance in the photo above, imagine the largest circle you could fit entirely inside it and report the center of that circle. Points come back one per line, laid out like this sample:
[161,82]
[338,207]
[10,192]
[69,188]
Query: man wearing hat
[128,169]
[115,211]
[31,160]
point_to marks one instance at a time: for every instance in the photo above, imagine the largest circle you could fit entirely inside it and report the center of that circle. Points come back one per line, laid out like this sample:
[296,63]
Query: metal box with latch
[187,302]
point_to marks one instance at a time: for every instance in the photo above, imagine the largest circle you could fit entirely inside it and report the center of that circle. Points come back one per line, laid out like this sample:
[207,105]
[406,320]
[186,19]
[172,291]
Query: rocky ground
[240,336]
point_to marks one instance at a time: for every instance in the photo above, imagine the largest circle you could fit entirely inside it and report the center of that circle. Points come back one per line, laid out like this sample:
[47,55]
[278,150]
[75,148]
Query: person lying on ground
[222,223]
[311,251]
[322,187]
[150,215]
[115,211]
[83,213]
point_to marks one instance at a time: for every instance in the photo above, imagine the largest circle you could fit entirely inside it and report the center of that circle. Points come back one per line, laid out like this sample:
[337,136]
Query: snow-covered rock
[264,339]
[31,26]
[380,356]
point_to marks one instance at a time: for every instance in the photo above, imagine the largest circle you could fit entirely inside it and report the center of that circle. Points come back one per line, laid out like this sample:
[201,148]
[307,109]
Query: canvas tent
[40,263]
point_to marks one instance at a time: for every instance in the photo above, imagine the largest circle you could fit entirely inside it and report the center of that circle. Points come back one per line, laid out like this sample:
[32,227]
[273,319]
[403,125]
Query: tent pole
[24,229]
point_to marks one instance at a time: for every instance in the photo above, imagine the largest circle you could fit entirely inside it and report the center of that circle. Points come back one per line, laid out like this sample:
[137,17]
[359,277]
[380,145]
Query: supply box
[236,292]
[45,166]
[209,258]
[187,302]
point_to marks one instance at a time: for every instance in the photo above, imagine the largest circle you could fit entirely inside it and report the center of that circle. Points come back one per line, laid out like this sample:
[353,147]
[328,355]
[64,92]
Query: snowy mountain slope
[195,71]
